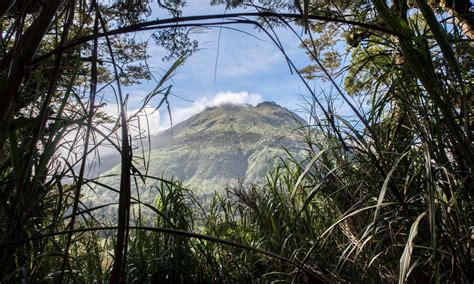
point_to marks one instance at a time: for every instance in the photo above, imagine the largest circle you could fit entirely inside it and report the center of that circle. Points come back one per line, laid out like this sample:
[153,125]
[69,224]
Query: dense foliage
[383,195]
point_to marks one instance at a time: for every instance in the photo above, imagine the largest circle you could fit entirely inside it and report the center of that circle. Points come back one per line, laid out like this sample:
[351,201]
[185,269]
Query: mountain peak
[268,104]
[222,145]
[228,106]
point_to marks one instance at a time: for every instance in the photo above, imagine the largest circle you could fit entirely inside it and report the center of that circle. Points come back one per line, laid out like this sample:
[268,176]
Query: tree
[405,163]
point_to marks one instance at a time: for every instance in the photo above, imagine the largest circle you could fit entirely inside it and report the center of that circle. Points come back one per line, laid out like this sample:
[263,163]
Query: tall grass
[384,195]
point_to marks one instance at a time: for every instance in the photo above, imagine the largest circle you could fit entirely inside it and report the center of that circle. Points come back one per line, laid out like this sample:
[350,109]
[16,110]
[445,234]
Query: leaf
[406,256]
[306,170]
[315,190]
[384,188]
[15,157]
[22,122]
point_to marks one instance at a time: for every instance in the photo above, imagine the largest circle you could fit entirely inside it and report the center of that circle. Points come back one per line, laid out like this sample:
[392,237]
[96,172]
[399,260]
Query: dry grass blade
[393,121]
[407,252]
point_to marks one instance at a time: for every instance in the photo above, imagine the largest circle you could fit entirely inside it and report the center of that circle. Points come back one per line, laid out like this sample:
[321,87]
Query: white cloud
[221,98]
[158,120]
[236,98]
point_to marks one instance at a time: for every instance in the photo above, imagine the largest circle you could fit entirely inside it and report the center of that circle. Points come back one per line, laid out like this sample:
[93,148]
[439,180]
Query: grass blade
[407,252]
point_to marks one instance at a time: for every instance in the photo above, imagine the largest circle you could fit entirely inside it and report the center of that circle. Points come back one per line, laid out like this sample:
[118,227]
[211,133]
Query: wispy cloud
[158,120]
[236,98]
[221,98]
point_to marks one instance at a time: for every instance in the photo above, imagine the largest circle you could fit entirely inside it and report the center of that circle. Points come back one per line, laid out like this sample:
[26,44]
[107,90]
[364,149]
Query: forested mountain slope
[218,147]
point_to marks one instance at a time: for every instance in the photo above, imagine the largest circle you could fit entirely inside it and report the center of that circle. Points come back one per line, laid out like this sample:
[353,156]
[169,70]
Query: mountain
[219,146]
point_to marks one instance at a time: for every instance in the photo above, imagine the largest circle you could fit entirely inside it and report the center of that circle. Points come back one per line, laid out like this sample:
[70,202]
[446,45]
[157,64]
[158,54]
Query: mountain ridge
[220,146]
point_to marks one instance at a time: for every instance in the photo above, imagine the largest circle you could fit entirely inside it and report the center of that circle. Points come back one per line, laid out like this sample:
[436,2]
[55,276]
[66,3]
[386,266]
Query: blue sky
[249,70]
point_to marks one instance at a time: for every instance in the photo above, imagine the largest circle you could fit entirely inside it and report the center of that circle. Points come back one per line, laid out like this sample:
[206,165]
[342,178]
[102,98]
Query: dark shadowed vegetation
[384,194]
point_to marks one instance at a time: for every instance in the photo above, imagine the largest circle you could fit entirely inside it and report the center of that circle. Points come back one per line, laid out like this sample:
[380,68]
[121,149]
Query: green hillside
[217,147]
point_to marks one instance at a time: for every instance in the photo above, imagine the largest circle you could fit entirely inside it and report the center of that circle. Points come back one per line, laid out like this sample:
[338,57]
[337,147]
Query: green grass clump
[381,192]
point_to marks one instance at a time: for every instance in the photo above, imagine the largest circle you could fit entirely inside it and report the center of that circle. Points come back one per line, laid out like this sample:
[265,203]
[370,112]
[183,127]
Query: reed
[382,195]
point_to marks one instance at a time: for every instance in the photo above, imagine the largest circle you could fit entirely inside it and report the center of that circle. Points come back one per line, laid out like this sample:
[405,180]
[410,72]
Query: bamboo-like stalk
[349,208]
[80,178]
[120,253]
